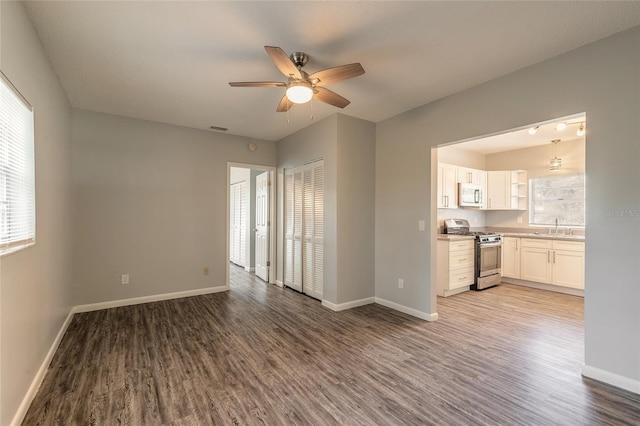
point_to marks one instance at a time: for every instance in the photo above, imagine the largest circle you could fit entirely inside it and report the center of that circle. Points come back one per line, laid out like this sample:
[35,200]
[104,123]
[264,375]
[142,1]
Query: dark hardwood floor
[259,354]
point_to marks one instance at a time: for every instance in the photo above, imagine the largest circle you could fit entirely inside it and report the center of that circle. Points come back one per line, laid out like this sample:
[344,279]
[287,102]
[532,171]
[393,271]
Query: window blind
[17,174]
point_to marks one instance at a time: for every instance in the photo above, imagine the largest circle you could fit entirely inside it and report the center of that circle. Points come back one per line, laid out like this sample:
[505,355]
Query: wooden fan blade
[283,62]
[256,84]
[332,98]
[335,74]
[284,105]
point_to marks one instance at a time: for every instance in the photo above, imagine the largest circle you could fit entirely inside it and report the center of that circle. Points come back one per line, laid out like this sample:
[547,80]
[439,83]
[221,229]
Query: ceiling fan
[301,87]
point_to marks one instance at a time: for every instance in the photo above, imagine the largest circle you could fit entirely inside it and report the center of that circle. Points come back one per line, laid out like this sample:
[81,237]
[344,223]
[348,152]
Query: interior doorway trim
[272,215]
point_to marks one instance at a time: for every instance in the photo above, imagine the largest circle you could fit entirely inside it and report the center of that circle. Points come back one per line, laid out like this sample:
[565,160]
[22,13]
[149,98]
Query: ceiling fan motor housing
[299,59]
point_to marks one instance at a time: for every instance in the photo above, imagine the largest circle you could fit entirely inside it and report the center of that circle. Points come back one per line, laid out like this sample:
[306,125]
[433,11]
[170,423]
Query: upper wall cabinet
[447,186]
[506,190]
[474,176]
[498,190]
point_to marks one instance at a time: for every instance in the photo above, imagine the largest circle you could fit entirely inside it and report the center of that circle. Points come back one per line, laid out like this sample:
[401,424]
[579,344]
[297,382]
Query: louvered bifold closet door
[307,230]
[318,229]
[289,202]
[238,223]
[304,228]
[297,230]
[233,234]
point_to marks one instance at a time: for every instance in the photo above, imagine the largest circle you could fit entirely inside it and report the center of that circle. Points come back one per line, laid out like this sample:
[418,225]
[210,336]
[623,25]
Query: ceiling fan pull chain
[288,111]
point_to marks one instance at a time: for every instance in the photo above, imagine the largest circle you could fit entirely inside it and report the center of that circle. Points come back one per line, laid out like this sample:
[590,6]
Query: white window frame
[17,170]
[561,221]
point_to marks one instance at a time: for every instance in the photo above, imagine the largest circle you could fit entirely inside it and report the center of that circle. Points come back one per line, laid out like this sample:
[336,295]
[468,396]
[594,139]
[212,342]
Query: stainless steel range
[488,253]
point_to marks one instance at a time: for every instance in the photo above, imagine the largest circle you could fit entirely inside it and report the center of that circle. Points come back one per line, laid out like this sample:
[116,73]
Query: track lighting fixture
[581,131]
[561,126]
[533,130]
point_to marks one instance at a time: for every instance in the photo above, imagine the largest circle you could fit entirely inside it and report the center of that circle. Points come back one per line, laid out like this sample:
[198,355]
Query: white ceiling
[171,61]
[521,139]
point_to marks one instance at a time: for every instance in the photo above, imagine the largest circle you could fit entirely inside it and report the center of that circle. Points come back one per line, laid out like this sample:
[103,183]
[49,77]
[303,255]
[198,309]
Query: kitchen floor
[259,354]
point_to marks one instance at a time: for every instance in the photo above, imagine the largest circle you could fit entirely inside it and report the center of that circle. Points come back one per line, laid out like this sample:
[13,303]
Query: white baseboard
[146,299]
[348,305]
[611,378]
[250,268]
[39,377]
[405,309]
[279,283]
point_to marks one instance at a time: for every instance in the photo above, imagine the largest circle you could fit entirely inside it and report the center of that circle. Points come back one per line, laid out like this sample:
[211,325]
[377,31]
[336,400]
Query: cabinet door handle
[548,256]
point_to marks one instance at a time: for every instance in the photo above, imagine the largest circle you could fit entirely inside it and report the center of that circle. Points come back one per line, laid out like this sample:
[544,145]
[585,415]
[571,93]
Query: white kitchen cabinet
[511,257]
[456,266]
[447,186]
[475,177]
[556,262]
[535,265]
[568,264]
[507,190]
[498,190]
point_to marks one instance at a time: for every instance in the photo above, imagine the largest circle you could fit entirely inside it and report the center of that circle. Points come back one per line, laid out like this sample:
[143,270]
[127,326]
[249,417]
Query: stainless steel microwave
[470,195]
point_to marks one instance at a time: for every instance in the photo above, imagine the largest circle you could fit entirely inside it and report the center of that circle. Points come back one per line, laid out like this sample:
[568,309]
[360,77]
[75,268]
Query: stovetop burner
[461,227]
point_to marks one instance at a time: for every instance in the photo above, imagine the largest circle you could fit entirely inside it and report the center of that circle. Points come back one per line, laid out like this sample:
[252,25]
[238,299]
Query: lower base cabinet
[556,262]
[455,271]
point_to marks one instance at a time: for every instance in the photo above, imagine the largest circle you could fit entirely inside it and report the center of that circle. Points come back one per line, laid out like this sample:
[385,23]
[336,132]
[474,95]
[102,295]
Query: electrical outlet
[205,270]
[125,279]
[400,283]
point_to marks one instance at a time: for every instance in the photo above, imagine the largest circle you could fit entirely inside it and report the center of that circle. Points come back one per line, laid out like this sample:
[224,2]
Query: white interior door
[262,226]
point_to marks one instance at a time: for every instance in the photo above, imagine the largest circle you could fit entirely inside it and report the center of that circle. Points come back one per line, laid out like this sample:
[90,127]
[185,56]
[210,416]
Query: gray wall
[150,201]
[600,79]
[35,284]
[347,146]
[356,209]
[318,141]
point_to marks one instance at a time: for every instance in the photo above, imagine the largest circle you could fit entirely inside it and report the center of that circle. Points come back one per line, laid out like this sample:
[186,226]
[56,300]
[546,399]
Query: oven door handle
[482,245]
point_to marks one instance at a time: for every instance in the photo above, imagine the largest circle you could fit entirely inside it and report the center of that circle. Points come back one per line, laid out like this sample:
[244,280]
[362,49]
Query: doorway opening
[530,188]
[250,226]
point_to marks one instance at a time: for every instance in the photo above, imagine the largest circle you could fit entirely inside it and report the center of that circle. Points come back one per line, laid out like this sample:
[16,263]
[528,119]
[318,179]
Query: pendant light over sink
[555,163]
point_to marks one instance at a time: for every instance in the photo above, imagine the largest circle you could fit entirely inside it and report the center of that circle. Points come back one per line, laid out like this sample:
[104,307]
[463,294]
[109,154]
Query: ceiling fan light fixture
[299,92]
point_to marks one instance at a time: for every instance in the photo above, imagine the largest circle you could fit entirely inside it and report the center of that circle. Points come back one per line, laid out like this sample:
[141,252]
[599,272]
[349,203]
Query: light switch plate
[421,225]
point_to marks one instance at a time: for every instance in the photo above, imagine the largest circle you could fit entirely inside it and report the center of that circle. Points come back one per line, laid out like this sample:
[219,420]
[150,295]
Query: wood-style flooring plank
[262,355]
